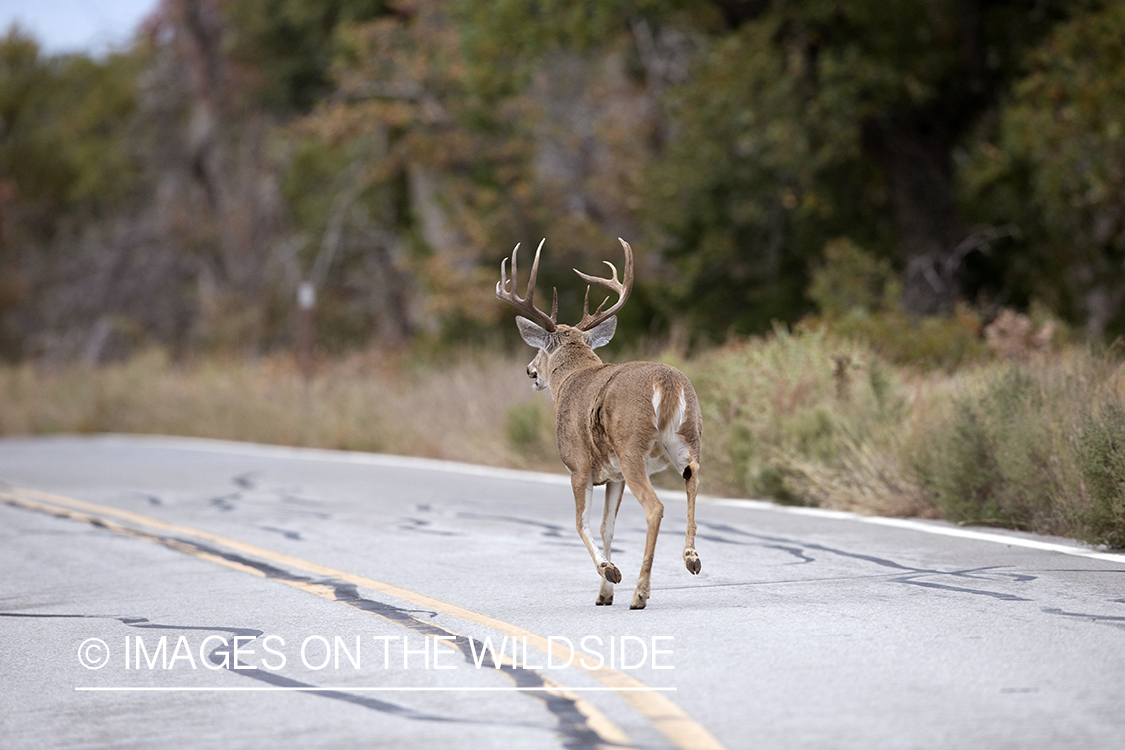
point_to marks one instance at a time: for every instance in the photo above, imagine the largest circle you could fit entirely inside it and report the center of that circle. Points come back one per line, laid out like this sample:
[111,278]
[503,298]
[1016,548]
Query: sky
[91,26]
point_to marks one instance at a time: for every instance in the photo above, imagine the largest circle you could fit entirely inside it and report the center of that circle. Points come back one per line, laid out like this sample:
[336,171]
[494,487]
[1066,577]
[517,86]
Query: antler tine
[621,288]
[507,291]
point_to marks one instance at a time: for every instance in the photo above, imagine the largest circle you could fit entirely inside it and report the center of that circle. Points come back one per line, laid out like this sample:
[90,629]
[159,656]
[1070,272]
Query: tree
[67,158]
[287,47]
[821,119]
[1054,162]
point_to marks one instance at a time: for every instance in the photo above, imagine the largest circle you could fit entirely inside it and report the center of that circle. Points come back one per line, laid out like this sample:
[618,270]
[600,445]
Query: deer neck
[567,361]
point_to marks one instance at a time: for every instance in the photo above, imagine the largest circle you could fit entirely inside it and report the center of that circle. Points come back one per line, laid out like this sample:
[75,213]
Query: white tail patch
[656,397]
[674,447]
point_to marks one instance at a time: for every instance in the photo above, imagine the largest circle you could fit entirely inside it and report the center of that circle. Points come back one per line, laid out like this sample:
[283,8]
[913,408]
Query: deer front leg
[691,557]
[583,500]
[638,482]
[613,493]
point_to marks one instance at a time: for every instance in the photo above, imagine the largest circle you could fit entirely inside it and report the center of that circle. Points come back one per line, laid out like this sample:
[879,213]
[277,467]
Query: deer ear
[600,334]
[534,334]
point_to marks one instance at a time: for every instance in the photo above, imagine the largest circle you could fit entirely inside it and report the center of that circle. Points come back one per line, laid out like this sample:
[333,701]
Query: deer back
[637,412]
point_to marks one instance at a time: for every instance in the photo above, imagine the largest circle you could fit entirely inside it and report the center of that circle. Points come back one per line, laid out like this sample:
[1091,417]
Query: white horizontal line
[452,467]
[212,445]
[350,689]
[931,527]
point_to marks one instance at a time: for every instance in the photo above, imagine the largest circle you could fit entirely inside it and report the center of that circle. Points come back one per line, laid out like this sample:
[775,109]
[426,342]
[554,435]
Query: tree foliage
[1054,162]
[393,152]
[288,47]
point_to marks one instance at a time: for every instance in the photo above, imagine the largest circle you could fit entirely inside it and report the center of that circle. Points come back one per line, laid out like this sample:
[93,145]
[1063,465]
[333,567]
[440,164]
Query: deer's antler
[506,291]
[622,290]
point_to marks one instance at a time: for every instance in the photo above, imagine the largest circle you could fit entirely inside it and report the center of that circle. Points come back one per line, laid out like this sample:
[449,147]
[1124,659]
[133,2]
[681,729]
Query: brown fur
[615,424]
[606,434]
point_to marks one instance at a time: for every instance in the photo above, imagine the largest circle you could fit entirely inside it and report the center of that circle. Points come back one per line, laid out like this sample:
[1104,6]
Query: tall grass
[807,419]
[455,409]
[815,419]
[1038,446]
[810,418]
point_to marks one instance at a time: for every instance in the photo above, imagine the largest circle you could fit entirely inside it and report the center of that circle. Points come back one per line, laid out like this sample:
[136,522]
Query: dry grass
[806,418]
[1038,445]
[816,419]
[456,411]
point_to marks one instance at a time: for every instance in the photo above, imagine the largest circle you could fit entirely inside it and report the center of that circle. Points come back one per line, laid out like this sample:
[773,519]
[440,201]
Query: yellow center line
[668,718]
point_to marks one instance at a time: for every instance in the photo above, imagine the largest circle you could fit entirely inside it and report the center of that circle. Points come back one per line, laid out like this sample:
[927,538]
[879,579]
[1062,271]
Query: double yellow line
[666,716]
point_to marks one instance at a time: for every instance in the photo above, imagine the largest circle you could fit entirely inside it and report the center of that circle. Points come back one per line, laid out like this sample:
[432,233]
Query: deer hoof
[639,601]
[691,561]
[605,601]
[610,572]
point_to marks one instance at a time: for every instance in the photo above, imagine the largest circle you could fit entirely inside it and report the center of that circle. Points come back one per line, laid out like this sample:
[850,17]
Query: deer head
[551,338]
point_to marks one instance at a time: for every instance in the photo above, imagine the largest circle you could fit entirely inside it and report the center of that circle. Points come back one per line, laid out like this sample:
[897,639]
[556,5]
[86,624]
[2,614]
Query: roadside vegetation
[465,409]
[1033,441]
[811,419]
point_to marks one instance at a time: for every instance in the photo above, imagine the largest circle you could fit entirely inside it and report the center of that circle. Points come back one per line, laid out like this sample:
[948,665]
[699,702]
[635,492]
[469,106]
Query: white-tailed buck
[616,424]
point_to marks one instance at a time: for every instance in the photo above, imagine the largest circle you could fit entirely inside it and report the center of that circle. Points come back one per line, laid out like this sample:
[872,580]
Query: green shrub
[1101,456]
[1039,447]
[931,342]
[805,418]
[783,484]
[859,298]
[850,279]
[966,478]
[996,461]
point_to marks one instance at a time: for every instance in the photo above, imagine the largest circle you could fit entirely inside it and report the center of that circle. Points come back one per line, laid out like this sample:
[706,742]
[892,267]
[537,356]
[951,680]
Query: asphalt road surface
[377,601]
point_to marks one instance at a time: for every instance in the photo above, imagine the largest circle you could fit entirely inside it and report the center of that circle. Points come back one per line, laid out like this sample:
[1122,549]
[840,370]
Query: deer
[616,424]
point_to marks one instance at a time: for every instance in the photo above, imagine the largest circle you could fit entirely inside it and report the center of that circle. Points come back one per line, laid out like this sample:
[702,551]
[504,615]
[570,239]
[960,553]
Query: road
[363,591]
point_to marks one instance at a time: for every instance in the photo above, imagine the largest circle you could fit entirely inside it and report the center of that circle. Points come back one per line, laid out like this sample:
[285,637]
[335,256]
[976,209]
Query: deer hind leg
[637,479]
[613,493]
[691,557]
[676,441]
[678,452]
[583,500]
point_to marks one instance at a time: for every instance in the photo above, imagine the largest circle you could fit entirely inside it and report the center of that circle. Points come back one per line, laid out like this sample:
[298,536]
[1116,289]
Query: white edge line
[347,688]
[210,445]
[930,527]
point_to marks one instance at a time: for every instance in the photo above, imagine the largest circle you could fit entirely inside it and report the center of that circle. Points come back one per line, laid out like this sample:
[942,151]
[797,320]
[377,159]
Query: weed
[1101,455]
[1031,446]
[784,484]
